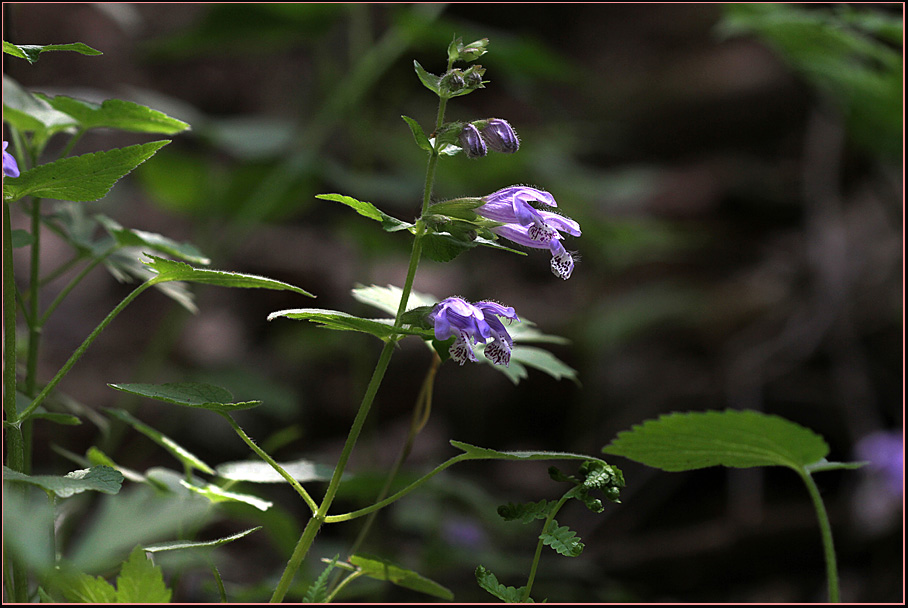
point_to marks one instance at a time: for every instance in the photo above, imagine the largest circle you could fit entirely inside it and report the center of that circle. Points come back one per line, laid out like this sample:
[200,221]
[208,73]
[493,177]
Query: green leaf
[384,570]
[30,52]
[126,237]
[741,439]
[176,545]
[418,134]
[80,178]
[98,479]
[333,319]
[388,298]
[256,471]
[186,457]
[525,512]
[544,361]
[431,81]
[116,114]
[562,539]
[140,581]
[317,592]
[218,494]
[86,589]
[444,246]
[365,209]
[21,238]
[477,453]
[170,270]
[825,465]
[189,394]
[26,112]
[490,583]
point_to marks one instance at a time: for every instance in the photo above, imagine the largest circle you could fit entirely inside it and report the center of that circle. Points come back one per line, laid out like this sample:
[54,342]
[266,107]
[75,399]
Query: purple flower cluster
[474,323]
[526,225]
[10,167]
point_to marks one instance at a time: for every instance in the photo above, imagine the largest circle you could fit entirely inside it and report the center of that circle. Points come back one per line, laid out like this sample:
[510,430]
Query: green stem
[15,577]
[77,354]
[274,465]
[832,575]
[34,328]
[539,545]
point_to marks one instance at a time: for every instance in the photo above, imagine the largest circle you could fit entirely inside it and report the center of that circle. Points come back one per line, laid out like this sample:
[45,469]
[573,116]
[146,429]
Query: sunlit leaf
[98,479]
[189,394]
[384,570]
[741,439]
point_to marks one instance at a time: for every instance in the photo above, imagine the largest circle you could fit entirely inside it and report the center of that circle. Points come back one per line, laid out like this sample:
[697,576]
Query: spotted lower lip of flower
[474,324]
[10,167]
[562,260]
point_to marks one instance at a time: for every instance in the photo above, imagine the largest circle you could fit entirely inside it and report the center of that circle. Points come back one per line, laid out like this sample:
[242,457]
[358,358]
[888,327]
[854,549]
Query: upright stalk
[315,523]
[832,573]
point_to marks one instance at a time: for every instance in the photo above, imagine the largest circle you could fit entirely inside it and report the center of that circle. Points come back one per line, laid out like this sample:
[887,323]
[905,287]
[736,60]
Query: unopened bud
[500,136]
[471,141]
[452,82]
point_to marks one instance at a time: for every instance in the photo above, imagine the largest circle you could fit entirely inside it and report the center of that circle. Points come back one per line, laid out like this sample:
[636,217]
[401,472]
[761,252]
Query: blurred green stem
[16,582]
[832,574]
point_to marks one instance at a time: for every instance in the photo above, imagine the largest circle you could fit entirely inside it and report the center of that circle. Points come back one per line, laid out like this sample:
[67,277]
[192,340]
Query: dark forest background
[736,170]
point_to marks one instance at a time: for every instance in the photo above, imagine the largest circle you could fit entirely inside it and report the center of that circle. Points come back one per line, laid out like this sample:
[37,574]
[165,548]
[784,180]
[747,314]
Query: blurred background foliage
[737,173]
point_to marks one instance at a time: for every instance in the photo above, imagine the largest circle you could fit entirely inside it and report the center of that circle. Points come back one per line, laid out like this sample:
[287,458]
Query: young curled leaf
[489,582]
[562,539]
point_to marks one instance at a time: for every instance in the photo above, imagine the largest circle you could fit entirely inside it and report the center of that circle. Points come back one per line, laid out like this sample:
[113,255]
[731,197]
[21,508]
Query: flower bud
[452,82]
[471,141]
[500,136]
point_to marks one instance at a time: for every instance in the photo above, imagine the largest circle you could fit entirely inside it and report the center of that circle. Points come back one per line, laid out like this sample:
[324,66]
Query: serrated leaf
[217,494]
[489,582]
[117,114]
[317,591]
[170,270]
[177,545]
[127,237]
[88,177]
[98,479]
[525,512]
[383,570]
[256,471]
[140,581]
[431,81]
[562,539]
[180,453]
[86,589]
[418,134]
[333,319]
[478,453]
[740,439]
[366,209]
[30,52]
[189,394]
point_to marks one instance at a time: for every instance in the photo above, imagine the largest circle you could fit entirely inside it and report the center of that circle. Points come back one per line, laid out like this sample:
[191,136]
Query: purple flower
[886,453]
[500,136]
[531,227]
[10,168]
[471,141]
[475,323]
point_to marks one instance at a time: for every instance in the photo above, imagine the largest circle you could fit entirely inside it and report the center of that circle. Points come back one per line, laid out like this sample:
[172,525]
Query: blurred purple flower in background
[877,503]
[10,167]
[885,451]
[531,227]
[477,323]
